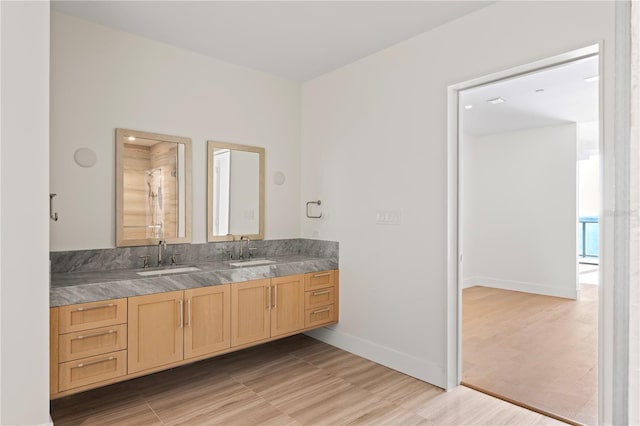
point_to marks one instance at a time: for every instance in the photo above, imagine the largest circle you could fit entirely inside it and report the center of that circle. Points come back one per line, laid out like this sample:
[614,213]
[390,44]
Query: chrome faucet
[242,237]
[162,244]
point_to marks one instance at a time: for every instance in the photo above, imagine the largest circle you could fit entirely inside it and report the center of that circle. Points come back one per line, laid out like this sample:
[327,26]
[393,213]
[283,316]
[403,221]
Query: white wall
[102,78]
[24,221]
[375,137]
[245,193]
[588,169]
[634,264]
[519,210]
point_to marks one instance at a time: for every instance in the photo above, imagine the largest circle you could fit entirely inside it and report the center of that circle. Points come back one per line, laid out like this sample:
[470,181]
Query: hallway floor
[294,381]
[538,350]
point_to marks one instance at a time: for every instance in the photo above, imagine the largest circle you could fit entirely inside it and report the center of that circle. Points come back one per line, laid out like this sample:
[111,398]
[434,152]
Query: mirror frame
[120,241]
[211,145]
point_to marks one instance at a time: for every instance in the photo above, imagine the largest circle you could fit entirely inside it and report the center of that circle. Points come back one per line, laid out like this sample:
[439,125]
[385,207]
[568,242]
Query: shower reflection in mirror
[153,188]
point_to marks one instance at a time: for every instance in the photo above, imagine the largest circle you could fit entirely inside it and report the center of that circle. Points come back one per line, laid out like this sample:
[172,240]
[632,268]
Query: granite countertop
[81,287]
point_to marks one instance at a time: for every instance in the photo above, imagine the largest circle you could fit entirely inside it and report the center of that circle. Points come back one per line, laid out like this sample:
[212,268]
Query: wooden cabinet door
[250,311]
[155,330]
[287,313]
[208,320]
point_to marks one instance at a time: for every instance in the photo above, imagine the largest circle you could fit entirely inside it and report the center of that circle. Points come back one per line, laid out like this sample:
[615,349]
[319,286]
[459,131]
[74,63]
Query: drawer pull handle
[89,308]
[85,364]
[318,293]
[181,303]
[104,333]
[326,274]
[319,311]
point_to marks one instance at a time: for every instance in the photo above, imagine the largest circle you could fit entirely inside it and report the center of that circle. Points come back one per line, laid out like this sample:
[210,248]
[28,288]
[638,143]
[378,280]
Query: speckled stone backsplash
[130,257]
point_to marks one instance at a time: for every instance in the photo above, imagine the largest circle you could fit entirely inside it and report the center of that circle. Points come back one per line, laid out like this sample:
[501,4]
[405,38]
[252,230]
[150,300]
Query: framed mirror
[235,191]
[153,188]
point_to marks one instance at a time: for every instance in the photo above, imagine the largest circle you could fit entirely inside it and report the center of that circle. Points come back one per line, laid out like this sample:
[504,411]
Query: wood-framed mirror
[153,188]
[235,191]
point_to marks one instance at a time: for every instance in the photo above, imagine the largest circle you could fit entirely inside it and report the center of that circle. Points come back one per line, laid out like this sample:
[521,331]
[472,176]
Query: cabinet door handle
[319,311]
[318,293]
[326,274]
[85,364]
[275,296]
[189,313]
[89,308]
[181,313]
[104,333]
[269,297]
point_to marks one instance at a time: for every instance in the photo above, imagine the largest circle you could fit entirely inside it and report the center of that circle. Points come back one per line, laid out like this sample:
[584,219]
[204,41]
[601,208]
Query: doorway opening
[528,235]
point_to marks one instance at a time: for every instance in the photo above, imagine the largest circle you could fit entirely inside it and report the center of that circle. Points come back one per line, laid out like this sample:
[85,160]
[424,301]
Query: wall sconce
[85,157]
[279,178]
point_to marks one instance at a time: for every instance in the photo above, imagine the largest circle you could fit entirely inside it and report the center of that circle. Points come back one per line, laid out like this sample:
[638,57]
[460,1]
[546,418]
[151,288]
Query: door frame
[454,226]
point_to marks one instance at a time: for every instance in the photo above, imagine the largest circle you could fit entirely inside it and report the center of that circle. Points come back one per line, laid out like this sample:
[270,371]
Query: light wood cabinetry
[53,351]
[169,327]
[86,316]
[91,370]
[88,344]
[155,327]
[250,311]
[320,298]
[287,311]
[208,323]
[98,343]
[263,309]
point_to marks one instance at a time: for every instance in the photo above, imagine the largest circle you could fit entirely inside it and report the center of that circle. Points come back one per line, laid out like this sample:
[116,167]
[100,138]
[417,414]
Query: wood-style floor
[294,381]
[538,350]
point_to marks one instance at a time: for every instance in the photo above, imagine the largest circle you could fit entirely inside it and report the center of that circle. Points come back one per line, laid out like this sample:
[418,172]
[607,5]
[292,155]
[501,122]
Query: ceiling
[301,40]
[566,98]
[296,40]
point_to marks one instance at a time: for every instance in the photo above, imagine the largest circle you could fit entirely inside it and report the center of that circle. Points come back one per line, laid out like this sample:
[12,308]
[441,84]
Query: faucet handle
[251,250]
[146,261]
[173,258]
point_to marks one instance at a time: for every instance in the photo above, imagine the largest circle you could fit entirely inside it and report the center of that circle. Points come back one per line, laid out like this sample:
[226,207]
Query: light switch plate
[388,217]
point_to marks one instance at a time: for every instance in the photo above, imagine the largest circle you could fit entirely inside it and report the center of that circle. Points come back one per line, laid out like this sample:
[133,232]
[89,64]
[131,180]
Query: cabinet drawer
[92,315]
[316,280]
[319,297]
[319,316]
[95,369]
[86,343]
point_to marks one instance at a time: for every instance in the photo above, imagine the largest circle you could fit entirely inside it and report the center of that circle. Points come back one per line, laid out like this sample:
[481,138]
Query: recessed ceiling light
[468,106]
[132,138]
[539,90]
[592,79]
[496,101]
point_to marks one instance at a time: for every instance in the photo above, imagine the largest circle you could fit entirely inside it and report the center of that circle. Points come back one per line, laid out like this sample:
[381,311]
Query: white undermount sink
[168,271]
[254,262]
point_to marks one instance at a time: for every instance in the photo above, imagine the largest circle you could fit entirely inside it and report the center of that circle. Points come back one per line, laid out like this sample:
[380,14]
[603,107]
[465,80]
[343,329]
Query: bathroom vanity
[167,320]
[110,321]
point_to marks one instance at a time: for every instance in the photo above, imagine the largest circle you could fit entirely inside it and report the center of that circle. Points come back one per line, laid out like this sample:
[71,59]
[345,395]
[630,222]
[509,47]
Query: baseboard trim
[394,359]
[522,404]
[525,287]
